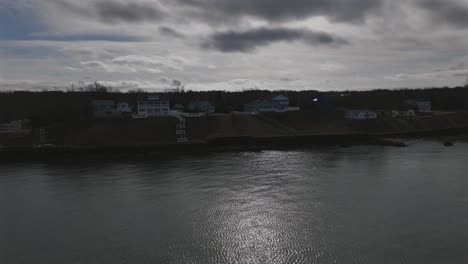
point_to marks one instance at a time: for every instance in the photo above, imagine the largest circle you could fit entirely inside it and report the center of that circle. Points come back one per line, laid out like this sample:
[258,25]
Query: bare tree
[137,90]
[81,86]
[177,87]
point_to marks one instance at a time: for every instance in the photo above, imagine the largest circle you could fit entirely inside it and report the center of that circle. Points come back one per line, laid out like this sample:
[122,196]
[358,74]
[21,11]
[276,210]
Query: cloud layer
[336,10]
[246,41]
[111,11]
[453,13]
[235,44]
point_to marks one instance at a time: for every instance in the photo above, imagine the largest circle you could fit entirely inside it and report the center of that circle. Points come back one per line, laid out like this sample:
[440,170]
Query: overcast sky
[234,44]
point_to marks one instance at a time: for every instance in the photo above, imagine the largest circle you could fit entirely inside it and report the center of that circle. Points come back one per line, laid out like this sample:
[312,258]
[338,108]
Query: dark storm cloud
[110,11]
[246,41]
[336,10]
[450,12]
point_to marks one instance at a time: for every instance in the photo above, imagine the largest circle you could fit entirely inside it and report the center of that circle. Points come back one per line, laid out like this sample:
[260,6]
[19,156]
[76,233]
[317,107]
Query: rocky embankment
[240,131]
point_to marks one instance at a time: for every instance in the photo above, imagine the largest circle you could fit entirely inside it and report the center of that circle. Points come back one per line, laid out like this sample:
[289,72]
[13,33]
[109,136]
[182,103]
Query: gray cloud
[336,10]
[111,11]
[246,41]
[461,74]
[458,66]
[170,32]
[450,12]
[421,39]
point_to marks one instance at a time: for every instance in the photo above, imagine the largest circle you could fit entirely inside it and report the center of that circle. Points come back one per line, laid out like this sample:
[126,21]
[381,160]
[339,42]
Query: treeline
[57,106]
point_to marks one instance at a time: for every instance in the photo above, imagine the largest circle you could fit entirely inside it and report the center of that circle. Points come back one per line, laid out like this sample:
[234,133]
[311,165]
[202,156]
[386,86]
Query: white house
[360,115]
[153,106]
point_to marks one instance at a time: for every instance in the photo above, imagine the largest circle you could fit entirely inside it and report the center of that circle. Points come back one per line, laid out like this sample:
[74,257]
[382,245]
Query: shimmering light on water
[328,205]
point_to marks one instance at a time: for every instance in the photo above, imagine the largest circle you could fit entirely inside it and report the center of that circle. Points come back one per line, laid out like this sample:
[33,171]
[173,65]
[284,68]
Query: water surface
[324,205]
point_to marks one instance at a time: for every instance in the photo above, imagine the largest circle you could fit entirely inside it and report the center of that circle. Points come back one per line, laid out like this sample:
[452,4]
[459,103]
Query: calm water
[327,205]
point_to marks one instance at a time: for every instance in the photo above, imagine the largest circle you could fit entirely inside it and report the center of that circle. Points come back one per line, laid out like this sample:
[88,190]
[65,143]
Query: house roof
[152,97]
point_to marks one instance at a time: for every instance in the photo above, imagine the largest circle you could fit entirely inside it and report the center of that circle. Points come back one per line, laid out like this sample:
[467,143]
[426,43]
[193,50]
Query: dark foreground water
[327,205]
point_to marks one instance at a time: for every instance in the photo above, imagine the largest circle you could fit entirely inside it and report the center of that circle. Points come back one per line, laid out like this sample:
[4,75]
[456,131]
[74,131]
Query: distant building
[15,125]
[419,106]
[424,106]
[403,113]
[294,109]
[105,109]
[201,107]
[360,115]
[407,113]
[153,106]
[179,107]
[279,103]
[124,108]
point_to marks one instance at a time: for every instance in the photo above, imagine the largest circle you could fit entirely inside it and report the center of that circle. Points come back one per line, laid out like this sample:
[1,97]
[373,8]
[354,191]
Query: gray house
[105,109]
[361,115]
[279,103]
[419,106]
[201,107]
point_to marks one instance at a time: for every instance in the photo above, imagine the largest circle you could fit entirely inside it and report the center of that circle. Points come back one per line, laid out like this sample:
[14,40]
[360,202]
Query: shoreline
[222,144]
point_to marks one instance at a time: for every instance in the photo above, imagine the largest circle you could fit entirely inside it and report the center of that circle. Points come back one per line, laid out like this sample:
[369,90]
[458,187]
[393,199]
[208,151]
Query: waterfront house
[279,103]
[201,107]
[152,106]
[105,109]
[179,107]
[424,106]
[360,115]
[124,108]
[407,113]
[14,125]
[419,106]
